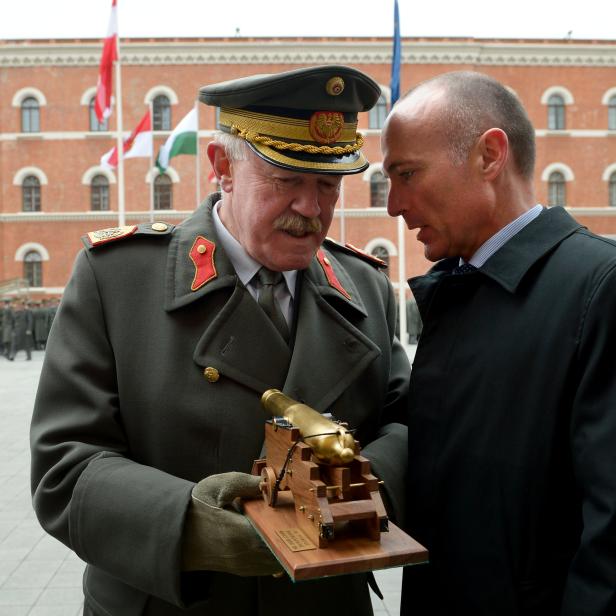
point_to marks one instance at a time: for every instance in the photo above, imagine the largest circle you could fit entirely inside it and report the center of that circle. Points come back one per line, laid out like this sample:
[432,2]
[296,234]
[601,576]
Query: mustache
[297,225]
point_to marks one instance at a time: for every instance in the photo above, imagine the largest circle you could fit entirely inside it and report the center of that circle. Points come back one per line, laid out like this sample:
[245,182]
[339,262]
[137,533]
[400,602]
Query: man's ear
[221,164]
[493,149]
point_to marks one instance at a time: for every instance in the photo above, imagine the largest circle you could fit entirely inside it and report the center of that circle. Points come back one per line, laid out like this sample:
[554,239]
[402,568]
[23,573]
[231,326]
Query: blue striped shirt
[498,240]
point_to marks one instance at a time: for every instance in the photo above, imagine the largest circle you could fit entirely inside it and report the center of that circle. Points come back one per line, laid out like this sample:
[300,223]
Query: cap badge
[326,126]
[334,86]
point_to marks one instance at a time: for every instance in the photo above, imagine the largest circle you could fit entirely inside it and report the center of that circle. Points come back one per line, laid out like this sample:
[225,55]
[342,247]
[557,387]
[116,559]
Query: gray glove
[217,537]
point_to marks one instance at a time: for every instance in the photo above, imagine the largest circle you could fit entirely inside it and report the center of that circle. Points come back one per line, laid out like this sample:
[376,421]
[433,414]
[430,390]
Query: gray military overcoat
[125,421]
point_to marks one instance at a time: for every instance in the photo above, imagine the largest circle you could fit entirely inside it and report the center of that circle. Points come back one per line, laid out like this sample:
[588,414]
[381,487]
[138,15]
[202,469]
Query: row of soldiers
[25,325]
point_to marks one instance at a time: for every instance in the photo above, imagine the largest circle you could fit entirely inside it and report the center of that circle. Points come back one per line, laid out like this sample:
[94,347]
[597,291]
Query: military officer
[148,419]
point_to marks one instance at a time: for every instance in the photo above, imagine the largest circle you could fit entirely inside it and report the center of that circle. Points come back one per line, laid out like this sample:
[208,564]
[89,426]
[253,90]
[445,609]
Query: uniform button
[201,249]
[159,226]
[211,374]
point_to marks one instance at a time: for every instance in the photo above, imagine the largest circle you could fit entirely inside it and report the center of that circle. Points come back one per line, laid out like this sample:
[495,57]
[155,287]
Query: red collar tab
[202,255]
[329,273]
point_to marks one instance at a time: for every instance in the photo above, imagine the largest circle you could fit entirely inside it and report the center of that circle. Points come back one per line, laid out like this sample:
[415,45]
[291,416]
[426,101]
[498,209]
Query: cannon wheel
[268,483]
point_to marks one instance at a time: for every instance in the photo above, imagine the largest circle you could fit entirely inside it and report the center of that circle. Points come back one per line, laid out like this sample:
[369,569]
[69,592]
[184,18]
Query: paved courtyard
[38,575]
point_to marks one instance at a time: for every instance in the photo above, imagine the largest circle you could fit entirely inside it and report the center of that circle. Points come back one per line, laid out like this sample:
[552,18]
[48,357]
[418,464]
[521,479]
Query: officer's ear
[221,164]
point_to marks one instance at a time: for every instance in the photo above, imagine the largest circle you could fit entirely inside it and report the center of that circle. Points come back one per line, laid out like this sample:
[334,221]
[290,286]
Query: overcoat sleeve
[124,518]
[591,583]
[388,452]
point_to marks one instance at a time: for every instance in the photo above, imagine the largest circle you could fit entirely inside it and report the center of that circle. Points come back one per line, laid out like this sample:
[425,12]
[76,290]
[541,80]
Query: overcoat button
[159,226]
[211,374]
[201,249]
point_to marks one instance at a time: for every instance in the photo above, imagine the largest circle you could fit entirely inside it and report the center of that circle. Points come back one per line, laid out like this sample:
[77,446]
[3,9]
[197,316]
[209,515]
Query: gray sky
[586,19]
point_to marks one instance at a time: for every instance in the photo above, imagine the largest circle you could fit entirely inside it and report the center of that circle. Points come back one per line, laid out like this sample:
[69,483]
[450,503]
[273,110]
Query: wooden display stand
[322,520]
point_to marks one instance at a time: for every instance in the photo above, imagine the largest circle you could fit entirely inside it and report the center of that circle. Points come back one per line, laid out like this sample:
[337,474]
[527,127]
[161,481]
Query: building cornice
[475,52]
[110,218]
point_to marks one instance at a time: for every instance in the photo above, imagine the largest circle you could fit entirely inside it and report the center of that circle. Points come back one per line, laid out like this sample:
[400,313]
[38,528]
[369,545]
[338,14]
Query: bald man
[512,407]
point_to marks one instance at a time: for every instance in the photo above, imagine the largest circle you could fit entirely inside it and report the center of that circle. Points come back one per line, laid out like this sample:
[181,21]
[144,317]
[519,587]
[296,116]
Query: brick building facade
[53,189]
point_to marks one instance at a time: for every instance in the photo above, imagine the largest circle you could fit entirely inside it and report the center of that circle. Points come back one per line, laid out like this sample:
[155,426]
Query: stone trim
[317,51]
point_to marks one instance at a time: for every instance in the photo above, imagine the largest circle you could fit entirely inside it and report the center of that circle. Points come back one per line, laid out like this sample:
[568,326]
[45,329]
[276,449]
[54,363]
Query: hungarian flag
[102,101]
[183,140]
[139,144]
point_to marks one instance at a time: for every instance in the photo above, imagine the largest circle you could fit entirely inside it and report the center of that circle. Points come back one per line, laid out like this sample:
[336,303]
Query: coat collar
[509,264]
[191,275]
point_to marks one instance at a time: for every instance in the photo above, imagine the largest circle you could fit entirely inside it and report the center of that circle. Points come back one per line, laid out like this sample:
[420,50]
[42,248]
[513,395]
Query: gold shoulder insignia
[358,252]
[112,234]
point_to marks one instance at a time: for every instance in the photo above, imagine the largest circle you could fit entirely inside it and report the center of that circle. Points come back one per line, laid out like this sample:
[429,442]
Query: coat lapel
[240,341]
[330,352]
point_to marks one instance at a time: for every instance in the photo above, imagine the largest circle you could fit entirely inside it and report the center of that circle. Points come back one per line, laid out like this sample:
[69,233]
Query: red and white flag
[138,144]
[102,101]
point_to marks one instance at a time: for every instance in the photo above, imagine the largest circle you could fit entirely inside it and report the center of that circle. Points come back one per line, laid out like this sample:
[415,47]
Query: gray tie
[268,280]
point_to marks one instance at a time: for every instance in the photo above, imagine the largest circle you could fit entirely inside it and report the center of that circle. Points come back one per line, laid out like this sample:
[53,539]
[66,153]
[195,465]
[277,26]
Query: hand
[217,536]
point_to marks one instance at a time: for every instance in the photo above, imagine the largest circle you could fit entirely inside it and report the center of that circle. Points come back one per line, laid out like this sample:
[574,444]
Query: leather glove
[217,536]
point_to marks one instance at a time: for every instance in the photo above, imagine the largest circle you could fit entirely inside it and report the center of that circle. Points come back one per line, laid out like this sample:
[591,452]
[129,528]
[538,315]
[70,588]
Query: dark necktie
[268,281]
[465,268]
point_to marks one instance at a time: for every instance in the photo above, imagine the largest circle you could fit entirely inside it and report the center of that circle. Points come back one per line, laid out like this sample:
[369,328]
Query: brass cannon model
[319,461]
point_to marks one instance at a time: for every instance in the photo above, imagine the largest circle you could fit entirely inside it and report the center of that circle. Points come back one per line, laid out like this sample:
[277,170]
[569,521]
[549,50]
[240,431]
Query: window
[99,193]
[162,113]
[31,194]
[95,125]
[162,192]
[380,252]
[378,113]
[611,113]
[556,112]
[33,269]
[557,194]
[30,115]
[378,190]
[612,189]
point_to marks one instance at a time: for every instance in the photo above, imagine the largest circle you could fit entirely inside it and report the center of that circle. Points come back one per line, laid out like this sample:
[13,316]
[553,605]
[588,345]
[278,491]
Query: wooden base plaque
[348,553]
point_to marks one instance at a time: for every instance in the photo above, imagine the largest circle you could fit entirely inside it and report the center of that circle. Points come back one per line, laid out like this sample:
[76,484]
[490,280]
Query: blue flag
[394,85]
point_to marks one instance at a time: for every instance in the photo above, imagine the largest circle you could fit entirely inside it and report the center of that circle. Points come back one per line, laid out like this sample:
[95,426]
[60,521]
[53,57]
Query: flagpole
[395,94]
[150,107]
[198,162]
[119,132]
[402,280]
[342,219]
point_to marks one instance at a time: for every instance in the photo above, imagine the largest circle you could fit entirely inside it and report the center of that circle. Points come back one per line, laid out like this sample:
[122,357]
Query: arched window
[31,194]
[556,112]
[612,189]
[30,115]
[33,268]
[377,115]
[380,252]
[611,113]
[161,108]
[378,190]
[163,196]
[99,193]
[557,194]
[95,125]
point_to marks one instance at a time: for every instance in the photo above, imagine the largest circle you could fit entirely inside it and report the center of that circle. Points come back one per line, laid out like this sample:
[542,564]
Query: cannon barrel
[330,442]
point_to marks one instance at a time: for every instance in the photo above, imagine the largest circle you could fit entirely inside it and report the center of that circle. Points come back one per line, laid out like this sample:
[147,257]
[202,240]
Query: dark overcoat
[125,421]
[512,430]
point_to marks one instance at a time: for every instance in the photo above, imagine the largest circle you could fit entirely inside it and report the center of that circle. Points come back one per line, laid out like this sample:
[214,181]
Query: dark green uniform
[126,421]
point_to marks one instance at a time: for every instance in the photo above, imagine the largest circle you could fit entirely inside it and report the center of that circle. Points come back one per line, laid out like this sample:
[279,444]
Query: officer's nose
[306,202]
